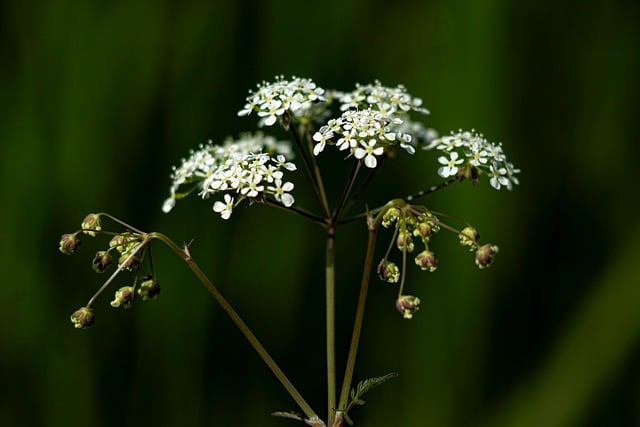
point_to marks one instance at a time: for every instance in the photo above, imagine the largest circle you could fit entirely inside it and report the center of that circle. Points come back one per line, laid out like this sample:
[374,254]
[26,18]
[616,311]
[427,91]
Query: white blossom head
[375,118]
[250,167]
[283,100]
[469,154]
[386,100]
[364,133]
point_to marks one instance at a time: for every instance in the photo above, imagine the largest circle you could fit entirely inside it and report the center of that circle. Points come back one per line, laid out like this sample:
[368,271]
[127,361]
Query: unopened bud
[470,172]
[388,271]
[427,260]
[91,224]
[407,305]
[149,289]
[131,263]
[424,230]
[101,261]
[69,243]
[83,318]
[404,242]
[390,216]
[485,254]
[123,298]
[469,237]
[124,242]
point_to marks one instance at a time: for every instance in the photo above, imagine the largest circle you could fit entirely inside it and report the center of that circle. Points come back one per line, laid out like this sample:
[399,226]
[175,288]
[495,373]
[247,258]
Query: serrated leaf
[366,385]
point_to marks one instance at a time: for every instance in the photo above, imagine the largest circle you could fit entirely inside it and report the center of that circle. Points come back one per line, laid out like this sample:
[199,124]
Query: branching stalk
[237,320]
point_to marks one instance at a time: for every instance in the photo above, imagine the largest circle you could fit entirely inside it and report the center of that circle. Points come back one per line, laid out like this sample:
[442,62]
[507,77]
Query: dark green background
[98,99]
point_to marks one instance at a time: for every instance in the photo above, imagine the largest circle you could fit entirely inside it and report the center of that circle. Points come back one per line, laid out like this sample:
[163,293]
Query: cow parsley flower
[450,167]
[281,192]
[470,155]
[272,101]
[384,99]
[240,169]
[357,130]
[224,209]
[368,151]
[374,118]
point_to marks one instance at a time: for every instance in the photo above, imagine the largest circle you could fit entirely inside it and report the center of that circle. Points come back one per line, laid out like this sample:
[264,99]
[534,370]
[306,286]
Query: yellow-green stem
[357,324]
[330,323]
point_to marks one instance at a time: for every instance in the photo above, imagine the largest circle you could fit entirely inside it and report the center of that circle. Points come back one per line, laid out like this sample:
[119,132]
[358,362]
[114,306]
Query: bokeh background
[98,99]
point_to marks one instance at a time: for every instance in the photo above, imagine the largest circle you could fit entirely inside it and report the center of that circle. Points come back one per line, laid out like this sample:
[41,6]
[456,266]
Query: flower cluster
[409,223]
[365,133]
[384,99]
[416,225]
[250,167]
[130,248]
[273,101]
[374,118]
[469,155]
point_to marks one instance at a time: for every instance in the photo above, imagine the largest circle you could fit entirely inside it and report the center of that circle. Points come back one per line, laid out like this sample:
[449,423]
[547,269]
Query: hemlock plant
[371,125]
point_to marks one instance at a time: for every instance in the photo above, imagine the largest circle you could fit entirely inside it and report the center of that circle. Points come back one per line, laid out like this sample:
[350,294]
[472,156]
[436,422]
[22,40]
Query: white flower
[271,109]
[224,209]
[498,176]
[237,167]
[272,100]
[321,137]
[365,133]
[450,167]
[281,192]
[476,152]
[281,162]
[368,151]
[384,99]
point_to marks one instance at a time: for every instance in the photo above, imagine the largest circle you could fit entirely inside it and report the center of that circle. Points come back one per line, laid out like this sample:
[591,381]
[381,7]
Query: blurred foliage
[98,99]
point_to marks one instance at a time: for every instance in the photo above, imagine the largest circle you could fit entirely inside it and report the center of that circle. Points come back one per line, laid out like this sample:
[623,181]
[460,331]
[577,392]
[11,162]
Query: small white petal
[287,199]
[370,161]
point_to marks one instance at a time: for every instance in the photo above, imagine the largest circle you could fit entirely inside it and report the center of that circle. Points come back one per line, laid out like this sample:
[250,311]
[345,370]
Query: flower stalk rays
[369,125]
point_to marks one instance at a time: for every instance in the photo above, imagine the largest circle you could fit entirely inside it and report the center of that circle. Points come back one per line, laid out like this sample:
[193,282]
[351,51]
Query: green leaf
[366,385]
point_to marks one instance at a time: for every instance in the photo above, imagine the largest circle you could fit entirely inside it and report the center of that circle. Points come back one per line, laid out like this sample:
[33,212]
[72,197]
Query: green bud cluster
[130,248]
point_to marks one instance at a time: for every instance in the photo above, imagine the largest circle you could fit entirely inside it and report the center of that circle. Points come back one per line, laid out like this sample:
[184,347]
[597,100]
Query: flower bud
[101,261]
[69,243]
[485,254]
[427,260]
[424,230]
[124,242]
[388,271]
[83,318]
[469,237]
[123,298]
[407,305]
[390,216]
[91,224]
[131,263]
[470,172]
[404,242]
[149,289]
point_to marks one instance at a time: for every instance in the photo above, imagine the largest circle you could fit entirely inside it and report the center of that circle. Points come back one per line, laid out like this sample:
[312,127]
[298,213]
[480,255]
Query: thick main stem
[237,320]
[330,279]
[357,324]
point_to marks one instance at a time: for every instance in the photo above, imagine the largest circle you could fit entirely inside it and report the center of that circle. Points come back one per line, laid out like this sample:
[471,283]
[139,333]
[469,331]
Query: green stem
[357,324]
[347,189]
[330,323]
[313,171]
[433,189]
[297,210]
[257,346]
